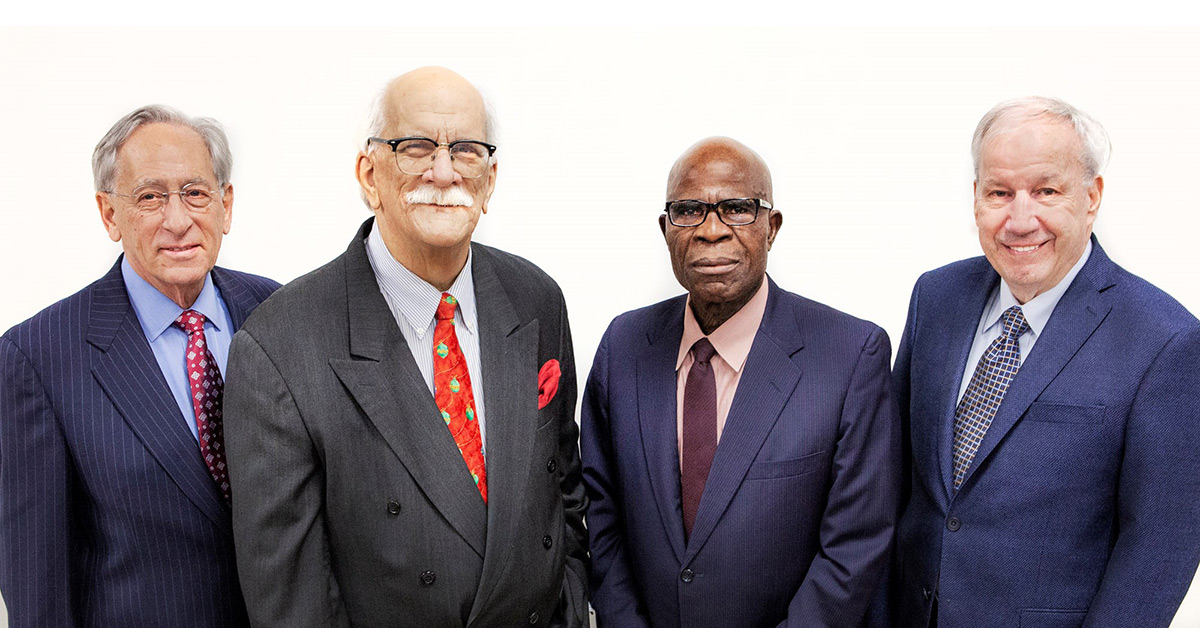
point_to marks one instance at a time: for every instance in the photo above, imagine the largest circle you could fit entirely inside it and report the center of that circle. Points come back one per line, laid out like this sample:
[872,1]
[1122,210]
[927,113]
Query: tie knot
[703,350]
[446,305]
[1013,321]
[190,321]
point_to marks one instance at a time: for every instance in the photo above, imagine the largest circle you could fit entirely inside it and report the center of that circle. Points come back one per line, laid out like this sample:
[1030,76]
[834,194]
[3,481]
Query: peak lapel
[508,357]
[657,419]
[1076,316]
[129,374]
[768,382]
[386,383]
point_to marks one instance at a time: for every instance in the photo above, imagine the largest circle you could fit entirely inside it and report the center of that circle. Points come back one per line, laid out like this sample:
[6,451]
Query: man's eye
[1047,191]
[998,193]
[149,197]
[688,209]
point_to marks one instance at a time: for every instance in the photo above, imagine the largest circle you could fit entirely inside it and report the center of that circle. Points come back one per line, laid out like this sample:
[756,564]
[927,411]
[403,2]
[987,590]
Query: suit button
[547,542]
[687,575]
[533,617]
[551,465]
[428,578]
[393,507]
[927,594]
[953,524]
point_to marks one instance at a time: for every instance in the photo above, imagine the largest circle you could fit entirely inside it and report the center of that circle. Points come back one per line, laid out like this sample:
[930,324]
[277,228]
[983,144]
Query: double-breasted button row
[393,507]
[551,465]
[547,542]
[534,617]
[428,578]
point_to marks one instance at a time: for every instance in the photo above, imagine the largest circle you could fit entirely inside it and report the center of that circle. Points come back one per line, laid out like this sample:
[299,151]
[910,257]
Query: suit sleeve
[1158,513]
[573,608]
[860,514]
[613,590]
[35,503]
[278,503]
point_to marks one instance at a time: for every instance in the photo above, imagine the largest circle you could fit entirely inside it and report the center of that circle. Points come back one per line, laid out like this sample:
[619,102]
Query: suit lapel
[129,374]
[385,381]
[950,348]
[657,419]
[768,382]
[508,356]
[1076,316]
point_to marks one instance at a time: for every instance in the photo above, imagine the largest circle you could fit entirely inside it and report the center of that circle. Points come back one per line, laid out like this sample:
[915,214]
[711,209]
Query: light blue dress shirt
[156,313]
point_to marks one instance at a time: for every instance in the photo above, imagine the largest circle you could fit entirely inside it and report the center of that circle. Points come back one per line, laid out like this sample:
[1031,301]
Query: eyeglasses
[415,155]
[735,212]
[151,198]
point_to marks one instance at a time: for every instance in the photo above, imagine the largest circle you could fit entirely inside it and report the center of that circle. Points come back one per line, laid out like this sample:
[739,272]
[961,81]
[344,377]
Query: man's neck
[710,316]
[438,267]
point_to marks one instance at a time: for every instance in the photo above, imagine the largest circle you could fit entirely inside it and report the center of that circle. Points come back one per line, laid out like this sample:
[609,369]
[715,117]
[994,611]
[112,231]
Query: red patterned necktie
[452,392]
[207,388]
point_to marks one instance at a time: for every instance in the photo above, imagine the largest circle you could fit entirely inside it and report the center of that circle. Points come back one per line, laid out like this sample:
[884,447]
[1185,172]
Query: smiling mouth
[1026,248]
[180,249]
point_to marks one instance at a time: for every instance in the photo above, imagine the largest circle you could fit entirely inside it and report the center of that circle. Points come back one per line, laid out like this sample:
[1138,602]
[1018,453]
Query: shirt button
[393,507]
[547,542]
[428,578]
[534,617]
[953,524]
[687,575]
[551,465]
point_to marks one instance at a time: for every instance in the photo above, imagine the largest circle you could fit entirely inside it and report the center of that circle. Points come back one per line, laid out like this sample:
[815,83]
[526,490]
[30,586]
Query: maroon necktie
[699,429]
[204,378]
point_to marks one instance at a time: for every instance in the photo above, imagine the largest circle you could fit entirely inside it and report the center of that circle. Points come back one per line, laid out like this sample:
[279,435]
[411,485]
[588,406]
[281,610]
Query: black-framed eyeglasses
[415,155]
[735,212]
[152,198]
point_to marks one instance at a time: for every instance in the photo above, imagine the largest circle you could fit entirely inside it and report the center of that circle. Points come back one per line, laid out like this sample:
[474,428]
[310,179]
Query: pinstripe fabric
[107,514]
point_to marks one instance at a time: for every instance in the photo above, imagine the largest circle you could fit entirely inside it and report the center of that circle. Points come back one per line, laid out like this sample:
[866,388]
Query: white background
[866,130]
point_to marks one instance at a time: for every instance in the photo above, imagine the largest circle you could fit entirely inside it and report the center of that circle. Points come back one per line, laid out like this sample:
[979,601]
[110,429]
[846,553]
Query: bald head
[720,159]
[430,89]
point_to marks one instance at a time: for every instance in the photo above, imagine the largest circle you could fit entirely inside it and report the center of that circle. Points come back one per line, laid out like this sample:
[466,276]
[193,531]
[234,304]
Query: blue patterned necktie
[995,370]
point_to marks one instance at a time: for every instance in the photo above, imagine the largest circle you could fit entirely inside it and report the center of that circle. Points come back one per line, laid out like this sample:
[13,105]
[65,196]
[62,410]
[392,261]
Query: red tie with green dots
[452,392]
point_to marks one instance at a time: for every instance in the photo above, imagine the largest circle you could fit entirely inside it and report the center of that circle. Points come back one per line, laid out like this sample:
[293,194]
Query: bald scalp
[429,88]
[721,154]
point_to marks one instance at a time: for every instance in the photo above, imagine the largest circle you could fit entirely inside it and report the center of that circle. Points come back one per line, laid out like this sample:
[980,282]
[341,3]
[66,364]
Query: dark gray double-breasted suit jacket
[352,505]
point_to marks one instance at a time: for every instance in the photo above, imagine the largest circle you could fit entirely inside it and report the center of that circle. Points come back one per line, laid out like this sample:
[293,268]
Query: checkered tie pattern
[994,372]
[204,378]
[452,392]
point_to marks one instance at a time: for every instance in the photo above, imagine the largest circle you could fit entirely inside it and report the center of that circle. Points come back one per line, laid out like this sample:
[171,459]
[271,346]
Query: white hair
[1096,146]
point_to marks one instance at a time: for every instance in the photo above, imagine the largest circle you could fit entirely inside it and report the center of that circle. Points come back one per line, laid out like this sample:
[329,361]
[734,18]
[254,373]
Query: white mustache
[452,196]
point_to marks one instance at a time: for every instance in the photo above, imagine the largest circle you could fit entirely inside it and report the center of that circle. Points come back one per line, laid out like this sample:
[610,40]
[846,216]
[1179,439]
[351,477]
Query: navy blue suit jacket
[108,514]
[796,520]
[1081,506]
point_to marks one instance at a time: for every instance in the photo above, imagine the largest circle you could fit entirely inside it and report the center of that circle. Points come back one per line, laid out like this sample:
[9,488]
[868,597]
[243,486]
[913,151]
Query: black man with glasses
[739,442]
[114,493]
[406,433]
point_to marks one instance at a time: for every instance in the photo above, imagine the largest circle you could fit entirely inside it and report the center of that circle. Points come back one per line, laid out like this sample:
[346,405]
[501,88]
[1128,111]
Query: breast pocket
[792,467]
[1050,412]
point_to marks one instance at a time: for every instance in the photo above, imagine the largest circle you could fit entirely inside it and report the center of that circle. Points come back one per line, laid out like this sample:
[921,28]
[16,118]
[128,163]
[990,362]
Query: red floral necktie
[452,392]
[204,378]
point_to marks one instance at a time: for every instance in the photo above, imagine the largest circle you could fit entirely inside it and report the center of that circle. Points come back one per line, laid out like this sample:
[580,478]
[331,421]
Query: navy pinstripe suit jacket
[108,515]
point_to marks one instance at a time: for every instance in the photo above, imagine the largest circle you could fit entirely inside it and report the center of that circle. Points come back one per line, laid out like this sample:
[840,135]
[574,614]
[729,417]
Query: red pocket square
[548,382]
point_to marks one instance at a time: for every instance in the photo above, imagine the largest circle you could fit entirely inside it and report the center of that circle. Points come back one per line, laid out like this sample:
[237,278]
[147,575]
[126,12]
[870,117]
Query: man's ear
[364,171]
[108,216]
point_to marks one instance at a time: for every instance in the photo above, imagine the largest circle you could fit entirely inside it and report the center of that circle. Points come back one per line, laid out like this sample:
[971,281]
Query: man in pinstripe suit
[109,513]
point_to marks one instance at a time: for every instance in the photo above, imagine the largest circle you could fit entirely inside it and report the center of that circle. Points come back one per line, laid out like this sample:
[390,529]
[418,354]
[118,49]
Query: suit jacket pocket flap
[765,469]
[1052,618]
[1050,412]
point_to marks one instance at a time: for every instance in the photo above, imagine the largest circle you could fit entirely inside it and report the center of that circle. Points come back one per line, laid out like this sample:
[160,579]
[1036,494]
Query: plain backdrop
[866,131]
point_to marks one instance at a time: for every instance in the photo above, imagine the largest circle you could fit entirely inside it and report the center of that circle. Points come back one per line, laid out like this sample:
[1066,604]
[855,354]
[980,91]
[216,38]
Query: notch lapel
[129,374]
[1076,316]
[768,382]
[950,348]
[384,380]
[657,419]
[508,357]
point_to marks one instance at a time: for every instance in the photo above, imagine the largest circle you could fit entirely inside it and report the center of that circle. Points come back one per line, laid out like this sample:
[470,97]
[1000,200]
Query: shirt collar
[414,298]
[156,312]
[733,338]
[1037,310]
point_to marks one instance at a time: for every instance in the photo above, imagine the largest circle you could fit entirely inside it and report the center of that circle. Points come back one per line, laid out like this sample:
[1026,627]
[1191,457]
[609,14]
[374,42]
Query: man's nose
[1022,214]
[177,217]
[712,229]
[442,173]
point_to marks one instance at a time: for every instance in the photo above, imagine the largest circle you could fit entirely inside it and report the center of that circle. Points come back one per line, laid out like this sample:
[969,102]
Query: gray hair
[1096,146]
[377,118]
[104,158]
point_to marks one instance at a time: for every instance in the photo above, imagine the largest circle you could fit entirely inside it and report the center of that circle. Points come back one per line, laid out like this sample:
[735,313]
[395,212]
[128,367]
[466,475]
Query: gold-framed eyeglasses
[151,198]
[415,155]
[735,212]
